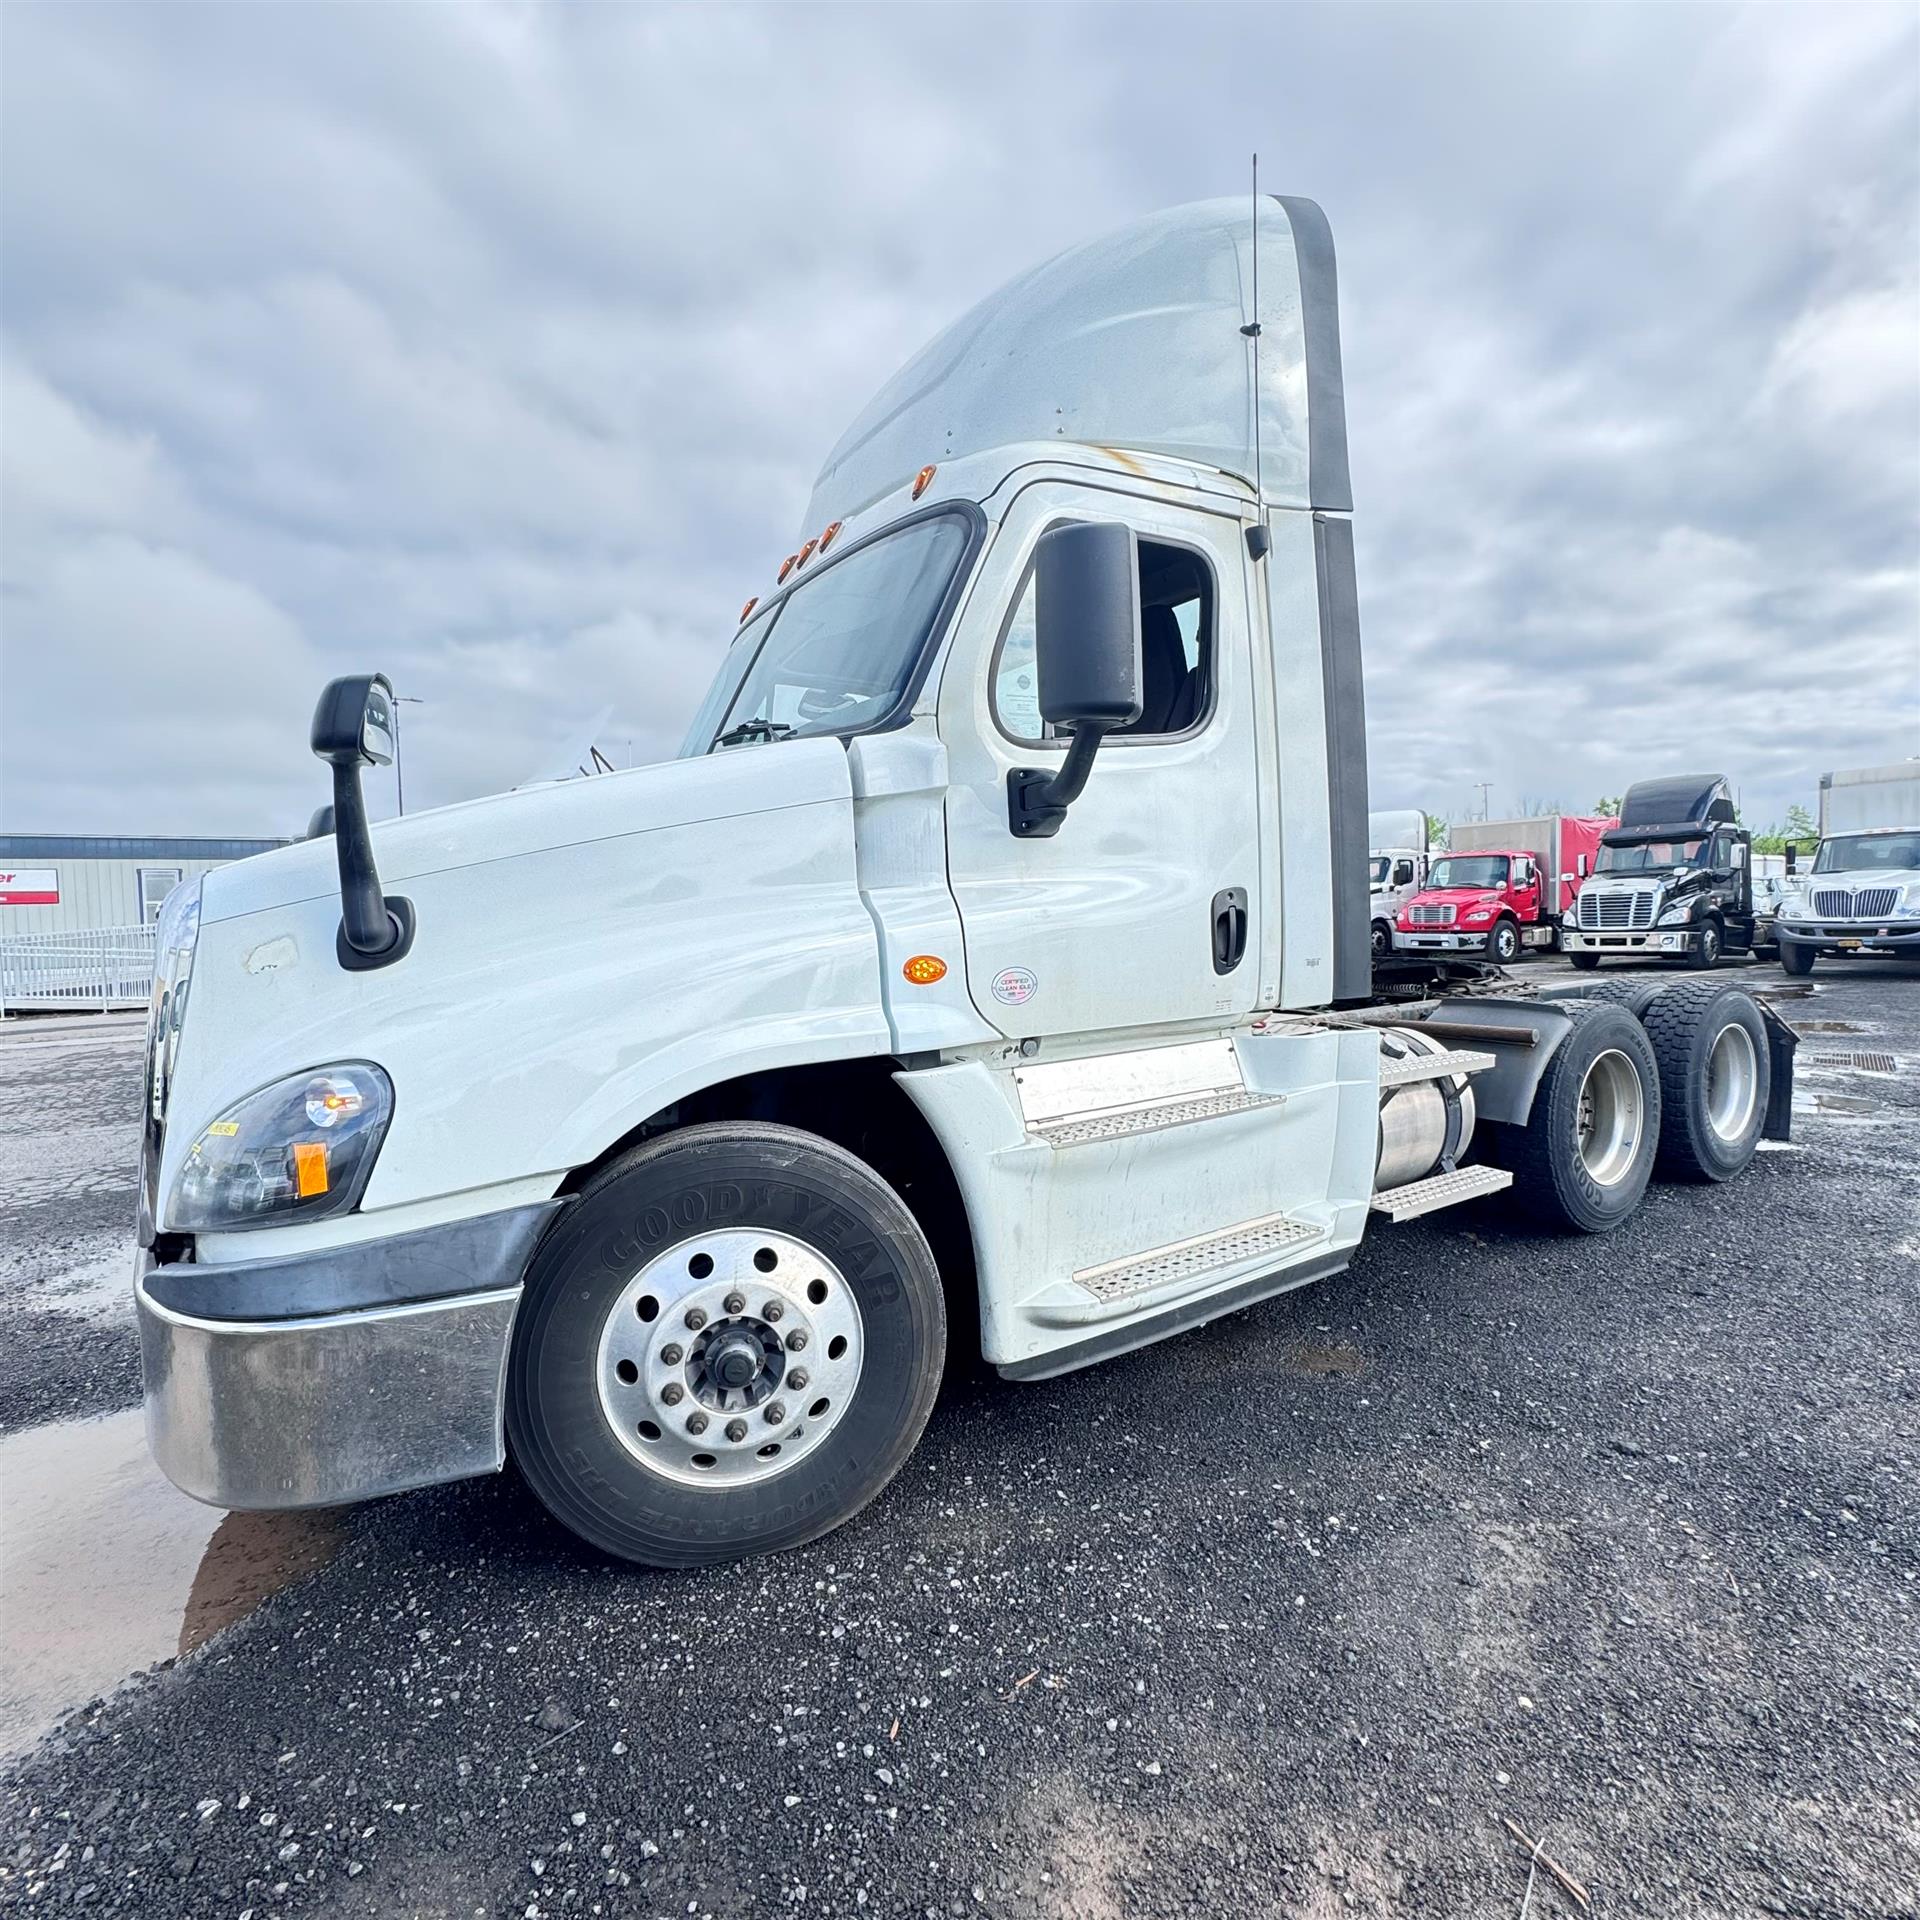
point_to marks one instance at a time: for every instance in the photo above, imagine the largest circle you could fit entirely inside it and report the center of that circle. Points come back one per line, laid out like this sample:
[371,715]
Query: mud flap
[1781,1041]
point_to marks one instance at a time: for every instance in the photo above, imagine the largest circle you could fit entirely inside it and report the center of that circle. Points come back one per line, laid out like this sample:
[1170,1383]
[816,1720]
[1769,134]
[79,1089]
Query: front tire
[727,1347]
[1586,1153]
[1715,1074]
[1586,962]
[1706,950]
[1503,943]
[1796,960]
[1382,938]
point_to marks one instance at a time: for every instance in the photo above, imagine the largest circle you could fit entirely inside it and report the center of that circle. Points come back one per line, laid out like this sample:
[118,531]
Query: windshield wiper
[753,730]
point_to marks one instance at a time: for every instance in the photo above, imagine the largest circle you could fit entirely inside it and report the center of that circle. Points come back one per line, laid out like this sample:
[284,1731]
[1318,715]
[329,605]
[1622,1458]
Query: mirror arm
[365,924]
[1037,800]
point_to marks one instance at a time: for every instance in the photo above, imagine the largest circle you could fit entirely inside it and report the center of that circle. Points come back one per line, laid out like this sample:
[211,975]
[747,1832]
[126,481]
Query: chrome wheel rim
[1733,1082]
[730,1357]
[1611,1114]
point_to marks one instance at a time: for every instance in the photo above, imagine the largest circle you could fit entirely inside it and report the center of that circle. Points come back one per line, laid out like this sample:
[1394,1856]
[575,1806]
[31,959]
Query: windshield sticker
[1014,986]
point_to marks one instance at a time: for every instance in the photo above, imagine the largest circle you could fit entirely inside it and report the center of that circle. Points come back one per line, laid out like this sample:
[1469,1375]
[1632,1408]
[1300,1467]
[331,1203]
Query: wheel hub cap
[1733,1082]
[1611,1114]
[683,1366]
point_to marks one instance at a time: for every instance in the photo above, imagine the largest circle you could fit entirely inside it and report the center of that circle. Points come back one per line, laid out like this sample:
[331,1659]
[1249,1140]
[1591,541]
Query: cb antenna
[1258,537]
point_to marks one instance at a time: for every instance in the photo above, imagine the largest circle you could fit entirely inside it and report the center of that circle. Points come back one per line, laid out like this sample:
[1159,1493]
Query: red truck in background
[1502,885]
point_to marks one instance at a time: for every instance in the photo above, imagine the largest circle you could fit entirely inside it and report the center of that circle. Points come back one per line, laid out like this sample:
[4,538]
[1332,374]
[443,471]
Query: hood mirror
[352,729]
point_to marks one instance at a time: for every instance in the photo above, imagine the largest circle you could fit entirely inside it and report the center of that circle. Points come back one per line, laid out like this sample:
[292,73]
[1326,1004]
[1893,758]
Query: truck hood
[1858,879]
[543,819]
[1458,897]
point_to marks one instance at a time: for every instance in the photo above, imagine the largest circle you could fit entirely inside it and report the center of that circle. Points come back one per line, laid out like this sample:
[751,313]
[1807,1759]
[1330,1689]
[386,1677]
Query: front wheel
[1706,950]
[1586,962]
[1503,943]
[1382,938]
[727,1347]
[1796,960]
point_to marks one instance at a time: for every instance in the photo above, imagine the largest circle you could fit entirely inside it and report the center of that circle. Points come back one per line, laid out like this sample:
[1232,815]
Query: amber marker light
[827,538]
[922,481]
[309,1168]
[786,567]
[748,608]
[806,552]
[924,969]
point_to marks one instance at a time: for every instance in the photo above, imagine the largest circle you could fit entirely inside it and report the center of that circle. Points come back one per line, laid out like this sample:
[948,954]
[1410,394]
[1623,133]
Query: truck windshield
[1868,852]
[1653,856]
[835,654]
[1470,870]
[1377,870]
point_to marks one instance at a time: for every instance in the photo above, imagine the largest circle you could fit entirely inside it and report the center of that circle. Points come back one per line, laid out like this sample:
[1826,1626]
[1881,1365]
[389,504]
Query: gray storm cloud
[498,348]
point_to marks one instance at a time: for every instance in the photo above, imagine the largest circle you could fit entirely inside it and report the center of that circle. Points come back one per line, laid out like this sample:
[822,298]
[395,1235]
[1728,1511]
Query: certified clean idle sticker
[1014,986]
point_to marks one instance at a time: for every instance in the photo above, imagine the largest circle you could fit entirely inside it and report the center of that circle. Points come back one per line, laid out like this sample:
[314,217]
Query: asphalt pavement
[1613,1538]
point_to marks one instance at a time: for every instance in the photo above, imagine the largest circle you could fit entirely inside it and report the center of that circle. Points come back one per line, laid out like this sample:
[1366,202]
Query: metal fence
[99,967]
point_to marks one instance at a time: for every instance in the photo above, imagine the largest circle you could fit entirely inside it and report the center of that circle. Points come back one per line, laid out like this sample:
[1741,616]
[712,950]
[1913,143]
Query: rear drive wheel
[1585,1155]
[1586,962]
[1715,1072]
[1503,943]
[1797,960]
[1706,950]
[727,1347]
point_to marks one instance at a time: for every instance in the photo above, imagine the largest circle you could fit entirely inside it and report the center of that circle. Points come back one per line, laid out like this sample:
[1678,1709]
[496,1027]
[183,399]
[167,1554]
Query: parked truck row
[993,970]
[1673,876]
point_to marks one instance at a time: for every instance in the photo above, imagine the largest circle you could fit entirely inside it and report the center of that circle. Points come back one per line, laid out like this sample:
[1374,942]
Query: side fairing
[556,995]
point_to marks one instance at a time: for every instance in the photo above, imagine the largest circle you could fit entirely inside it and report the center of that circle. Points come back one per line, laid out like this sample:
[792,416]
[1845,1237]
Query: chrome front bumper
[1475,942]
[316,1409]
[1646,940]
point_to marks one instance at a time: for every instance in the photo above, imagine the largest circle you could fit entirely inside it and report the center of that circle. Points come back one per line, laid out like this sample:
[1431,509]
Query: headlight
[1476,916]
[1679,913]
[300,1149]
[1790,908]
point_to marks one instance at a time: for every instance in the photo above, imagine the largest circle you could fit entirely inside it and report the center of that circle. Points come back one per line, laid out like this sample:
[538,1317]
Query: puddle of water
[1327,1362]
[106,1568]
[1827,1026]
[1834,1103]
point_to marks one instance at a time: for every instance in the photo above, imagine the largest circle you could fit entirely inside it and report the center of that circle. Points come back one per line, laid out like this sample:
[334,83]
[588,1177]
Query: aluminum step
[1076,1130]
[1275,1233]
[1402,1070]
[1440,1190]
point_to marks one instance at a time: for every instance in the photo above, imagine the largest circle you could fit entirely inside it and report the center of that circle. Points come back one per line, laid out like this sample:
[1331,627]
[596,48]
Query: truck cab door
[1143,910]
[1524,892]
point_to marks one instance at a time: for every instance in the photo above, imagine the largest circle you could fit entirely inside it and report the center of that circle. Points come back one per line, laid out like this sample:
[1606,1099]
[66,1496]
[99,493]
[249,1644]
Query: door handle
[1229,928]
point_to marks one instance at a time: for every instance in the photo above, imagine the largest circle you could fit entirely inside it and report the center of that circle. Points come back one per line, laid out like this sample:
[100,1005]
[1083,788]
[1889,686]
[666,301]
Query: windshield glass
[1470,870]
[837,652]
[1652,856]
[1868,853]
[1377,870]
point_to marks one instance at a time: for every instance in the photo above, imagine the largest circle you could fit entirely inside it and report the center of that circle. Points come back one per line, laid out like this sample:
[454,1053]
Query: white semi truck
[992,970]
[1862,894]
[1396,868]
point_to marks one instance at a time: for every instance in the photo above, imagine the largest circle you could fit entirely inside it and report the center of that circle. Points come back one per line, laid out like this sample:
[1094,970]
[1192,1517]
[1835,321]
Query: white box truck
[1862,892]
[1396,868]
[993,969]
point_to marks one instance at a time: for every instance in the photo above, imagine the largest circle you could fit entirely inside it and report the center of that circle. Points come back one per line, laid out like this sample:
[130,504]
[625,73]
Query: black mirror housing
[354,721]
[1087,647]
[1086,625]
[353,729]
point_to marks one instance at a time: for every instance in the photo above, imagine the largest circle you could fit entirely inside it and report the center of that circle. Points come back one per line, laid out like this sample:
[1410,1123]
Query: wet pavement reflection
[105,1568]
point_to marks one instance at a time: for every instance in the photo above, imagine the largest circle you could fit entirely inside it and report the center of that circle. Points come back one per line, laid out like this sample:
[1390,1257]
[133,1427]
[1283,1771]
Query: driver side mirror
[354,721]
[352,730]
[1087,660]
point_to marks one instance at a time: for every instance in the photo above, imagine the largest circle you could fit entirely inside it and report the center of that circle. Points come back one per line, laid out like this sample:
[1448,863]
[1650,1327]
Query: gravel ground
[1617,1537]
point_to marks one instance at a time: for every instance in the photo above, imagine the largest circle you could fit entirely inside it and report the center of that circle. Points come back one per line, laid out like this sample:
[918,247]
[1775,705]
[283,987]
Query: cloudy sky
[498,348]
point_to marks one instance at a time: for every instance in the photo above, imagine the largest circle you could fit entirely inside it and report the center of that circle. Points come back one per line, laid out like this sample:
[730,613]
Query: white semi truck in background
[1396,868]
[993,968]
[1861,894]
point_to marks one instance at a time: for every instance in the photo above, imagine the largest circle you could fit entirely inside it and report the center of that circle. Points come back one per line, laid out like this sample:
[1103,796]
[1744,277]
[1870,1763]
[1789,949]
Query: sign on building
[30,887]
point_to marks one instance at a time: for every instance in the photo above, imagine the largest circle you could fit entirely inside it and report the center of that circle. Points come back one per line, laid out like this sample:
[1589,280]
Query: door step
[1440,1190]
[1192,1260]
[1402,1070]
[1116,1123]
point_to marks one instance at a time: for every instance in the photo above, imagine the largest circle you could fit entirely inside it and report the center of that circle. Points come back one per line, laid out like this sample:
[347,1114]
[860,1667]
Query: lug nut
[696,1423]
[736,1303]
[797,1340]
[671,1355]
[673,1393]
[696,1319]
[776,1412]
[773,1310]
[797,1378]
[736,1429]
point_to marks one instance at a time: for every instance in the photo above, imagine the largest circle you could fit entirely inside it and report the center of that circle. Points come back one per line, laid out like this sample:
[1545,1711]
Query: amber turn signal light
[924,969]
[921,481]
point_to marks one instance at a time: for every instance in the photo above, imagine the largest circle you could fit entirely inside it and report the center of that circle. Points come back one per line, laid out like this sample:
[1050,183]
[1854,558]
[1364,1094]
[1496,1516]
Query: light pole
[1483,785]
[399,779]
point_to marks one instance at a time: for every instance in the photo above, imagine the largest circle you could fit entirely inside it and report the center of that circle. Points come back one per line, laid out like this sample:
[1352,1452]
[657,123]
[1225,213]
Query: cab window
[1177,651]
